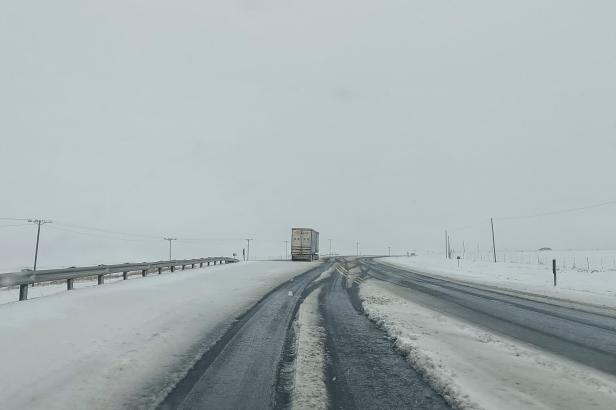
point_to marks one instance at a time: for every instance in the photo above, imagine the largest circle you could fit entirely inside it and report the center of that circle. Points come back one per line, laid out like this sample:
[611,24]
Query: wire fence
[566,260]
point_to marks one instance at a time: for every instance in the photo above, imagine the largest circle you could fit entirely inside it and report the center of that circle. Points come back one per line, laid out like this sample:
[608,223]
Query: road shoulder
[601,309]
[474,368]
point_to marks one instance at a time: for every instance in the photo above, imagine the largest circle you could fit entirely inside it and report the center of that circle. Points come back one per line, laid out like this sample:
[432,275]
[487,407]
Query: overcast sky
[384,122]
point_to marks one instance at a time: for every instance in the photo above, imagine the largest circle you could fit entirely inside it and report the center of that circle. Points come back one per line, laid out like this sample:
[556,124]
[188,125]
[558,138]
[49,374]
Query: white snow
[309,390]
[123,344]
[476,369]
[594,287]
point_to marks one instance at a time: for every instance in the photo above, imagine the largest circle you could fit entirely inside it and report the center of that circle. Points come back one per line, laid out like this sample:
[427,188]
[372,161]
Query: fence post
[192,266]
[144,272]
[124,275]
[23,292]
[69,284]
[554,270]
[160,270]
[101,279]
[183,267]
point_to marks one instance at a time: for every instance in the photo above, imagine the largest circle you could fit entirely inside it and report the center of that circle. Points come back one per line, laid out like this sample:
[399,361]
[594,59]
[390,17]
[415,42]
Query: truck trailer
[304,244]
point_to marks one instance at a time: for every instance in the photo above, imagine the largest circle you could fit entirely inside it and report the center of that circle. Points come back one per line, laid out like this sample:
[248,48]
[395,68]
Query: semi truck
[304,244]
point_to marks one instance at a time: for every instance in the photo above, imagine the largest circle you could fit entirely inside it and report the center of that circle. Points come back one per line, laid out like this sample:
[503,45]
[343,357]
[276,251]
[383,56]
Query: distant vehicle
[304,244]
[545,249]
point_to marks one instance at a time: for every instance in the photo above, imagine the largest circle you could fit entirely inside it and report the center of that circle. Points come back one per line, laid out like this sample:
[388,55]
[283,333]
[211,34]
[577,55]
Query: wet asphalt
[364,370]
[246,368]
[240,372]
[583,336]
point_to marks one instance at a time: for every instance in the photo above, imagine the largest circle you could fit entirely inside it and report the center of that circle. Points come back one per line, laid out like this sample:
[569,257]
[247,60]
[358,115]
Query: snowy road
[365,335]
[365,371]
[252,365]
[240,371]
[586,337]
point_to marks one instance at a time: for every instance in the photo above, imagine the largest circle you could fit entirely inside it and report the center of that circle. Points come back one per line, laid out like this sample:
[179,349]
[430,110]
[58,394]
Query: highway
[241,370]
[249,367]
[245,369]
[576,333]
[365,372]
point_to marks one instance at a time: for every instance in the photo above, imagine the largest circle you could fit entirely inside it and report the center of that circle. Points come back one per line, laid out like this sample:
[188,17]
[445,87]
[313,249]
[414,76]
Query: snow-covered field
[123,344]
[594,287]
[567,260]
[476,369]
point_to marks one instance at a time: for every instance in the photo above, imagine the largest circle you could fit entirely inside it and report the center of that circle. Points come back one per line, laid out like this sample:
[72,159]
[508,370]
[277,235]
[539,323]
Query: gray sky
[379,121]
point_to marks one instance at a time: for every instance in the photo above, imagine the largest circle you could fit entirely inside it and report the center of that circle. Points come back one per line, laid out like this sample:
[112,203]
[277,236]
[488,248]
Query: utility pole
[170,239]
[330,247]
[493,243]
[357,247]
[286,246]
[446,245]
[389,250]
[248,251]
[38,222]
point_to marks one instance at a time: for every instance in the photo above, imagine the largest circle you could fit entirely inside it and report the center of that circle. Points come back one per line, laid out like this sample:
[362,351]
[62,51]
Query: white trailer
[304,244]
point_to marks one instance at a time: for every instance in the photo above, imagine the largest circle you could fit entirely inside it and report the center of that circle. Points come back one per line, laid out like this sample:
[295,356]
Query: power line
[561,211]
[8,226]
[149,237]
[108,231]
[94,235]
[469,226]
[209,239]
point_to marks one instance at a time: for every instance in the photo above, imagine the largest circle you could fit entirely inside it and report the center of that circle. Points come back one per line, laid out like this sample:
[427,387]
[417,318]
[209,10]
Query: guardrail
[25,278]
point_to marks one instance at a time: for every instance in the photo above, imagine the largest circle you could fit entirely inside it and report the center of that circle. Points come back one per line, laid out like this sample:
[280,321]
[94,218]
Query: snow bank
[309,391]
[597,288]
[123,344]
[476,369]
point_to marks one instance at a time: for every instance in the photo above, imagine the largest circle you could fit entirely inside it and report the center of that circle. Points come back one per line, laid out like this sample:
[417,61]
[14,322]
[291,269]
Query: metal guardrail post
[23,292]
[160,270]
[172,268]
[144,272]
[192,266]
[201,265]
[183,267]
[101,279]
[69,284]
[124,275]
